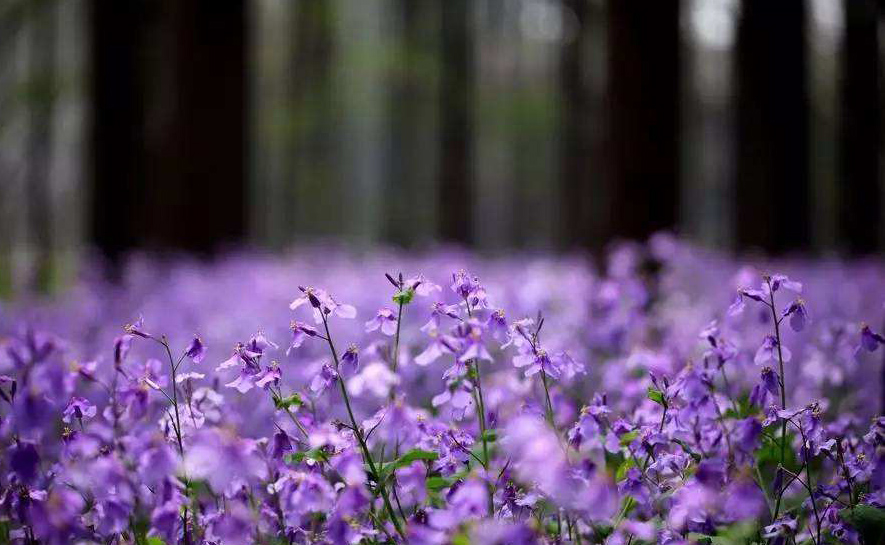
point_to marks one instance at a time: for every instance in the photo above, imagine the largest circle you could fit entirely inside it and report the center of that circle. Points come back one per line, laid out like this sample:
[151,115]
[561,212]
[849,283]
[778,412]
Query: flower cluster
[538,404]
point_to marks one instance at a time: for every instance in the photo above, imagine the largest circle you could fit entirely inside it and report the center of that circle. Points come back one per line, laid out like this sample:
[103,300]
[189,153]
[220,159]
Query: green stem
[482,420]
[549,409]
[367,455]
[399,321]
[780,360]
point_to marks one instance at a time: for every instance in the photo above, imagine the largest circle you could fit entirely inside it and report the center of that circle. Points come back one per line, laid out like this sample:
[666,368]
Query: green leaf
[404,297]
[154,540]
[490,436]
[744,409]
[688,450]
[623,469]
[412,455]
[770,454]
[869,521]
[317,454]
[293,400]
[628,437]
[696,537]
[438,483]
[655,395]
[461,539]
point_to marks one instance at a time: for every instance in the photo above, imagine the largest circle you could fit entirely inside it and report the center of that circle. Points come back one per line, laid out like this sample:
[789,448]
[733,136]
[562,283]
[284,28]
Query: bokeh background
[500,125]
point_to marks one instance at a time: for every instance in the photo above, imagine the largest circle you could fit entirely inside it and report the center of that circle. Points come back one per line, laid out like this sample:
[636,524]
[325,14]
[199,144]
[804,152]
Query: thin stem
[549,410]
[279,395]
[781,380]
[845,473]
[482,419]
[728,388]
[399,321]
[796,477]
[174,368]
[359,435]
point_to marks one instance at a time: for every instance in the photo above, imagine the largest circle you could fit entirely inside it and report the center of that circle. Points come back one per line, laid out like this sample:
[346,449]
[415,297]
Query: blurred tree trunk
[643,125]
[456,130]
[198,183]
[584,194]
[117,139]
[861,198]
[772,167]
[42,90]
[169,107]
[310,181]
[409,198]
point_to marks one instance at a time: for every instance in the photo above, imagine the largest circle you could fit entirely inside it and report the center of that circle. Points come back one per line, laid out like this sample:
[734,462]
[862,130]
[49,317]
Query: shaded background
[501,125]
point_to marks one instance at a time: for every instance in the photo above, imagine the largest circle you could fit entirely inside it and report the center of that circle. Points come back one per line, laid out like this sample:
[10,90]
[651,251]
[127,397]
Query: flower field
[671,395]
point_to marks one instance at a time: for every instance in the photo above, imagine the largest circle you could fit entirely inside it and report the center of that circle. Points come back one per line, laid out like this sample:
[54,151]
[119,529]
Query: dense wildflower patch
[674,397]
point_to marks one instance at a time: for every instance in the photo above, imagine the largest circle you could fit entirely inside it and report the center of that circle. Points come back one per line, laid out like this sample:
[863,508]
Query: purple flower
[222,458]
[463,284]
[439,345]
[421,285]
[470,333]
[768,386]
[769,351]
[137,329]
[79,408]
[869,339]
[241,355]
[304,493]
[300,332]
[24,460]
[244,382]
[437,311]
[375,378]
[468,501]
[494,532]
[386,319]
[324,379]
[269,377]
[322,303]
[780,530]
[497,325]
[350,360]
[234,525]
[537,362]
[281,444]
[196,350]
[742,500]
[797,313]
[782,281]
[460,400]
[122,344]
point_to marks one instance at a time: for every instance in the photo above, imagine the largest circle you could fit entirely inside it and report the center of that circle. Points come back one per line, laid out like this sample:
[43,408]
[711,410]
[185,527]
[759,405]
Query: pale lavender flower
[196,350]
[769,351]
[323,304]
[385,319]
[798,314]
[80,409]
[326,377]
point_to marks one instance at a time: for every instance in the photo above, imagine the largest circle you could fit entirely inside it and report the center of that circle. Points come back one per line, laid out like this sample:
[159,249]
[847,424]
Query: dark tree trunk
[772,170]
[860,198]
[199,182]
[456,111]
[403,202]
[578,168]
[117,149]
[169,145]
[43,89]
[643,125]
